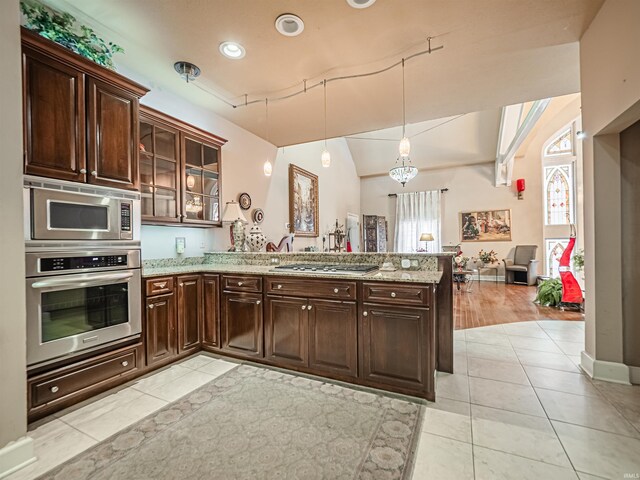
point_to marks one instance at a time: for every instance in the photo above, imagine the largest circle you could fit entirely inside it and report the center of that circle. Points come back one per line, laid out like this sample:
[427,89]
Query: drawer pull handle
[309,307]
[125,363]
[335,290]
[258,302]
[54,389]
[94,173]
[393,294]
[240,284]
[304,307]
[364,314]
[83,170]
[279,287]
[151,306]
[160,284]
[181,285]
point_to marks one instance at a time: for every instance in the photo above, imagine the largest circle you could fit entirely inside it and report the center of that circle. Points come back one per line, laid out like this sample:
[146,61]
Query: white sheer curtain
[417,213]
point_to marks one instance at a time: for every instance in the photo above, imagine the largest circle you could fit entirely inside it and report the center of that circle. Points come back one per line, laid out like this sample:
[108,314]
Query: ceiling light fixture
[360,3]
[289,25]
[232,50]
[187,71]
[326,156]
[405,171]
[267,168]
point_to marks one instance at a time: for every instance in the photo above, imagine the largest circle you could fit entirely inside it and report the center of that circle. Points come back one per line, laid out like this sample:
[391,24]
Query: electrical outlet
[287,226]
[203,245]
[414,263]
[275,261]
[181,243]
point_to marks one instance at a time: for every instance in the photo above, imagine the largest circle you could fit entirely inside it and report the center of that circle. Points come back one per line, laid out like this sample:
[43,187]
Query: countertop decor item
[426,238]
[257,215]
[303,202]
[61,28]
[256,239]
[233,215]
[245,201]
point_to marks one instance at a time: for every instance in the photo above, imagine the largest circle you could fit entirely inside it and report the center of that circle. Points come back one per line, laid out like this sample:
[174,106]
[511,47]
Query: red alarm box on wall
[520,187]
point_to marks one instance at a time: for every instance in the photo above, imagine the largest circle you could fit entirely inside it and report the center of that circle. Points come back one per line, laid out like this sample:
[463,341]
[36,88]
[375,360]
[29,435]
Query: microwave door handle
[87,281]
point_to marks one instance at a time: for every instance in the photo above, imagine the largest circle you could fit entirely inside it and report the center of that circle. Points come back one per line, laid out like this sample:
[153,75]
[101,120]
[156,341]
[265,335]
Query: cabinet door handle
[181,285]
[94,173]
[54,389]
[240,284]
[309,307]
[393,294]
[279,287]
[258,302]
[83,170]
[304,307]
[125,363]
[364,314]
[151,306]
[160,284]
[335,290]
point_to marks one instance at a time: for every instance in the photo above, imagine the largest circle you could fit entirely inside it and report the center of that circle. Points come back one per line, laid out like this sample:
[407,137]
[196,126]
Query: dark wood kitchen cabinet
[241,323]
[160,335]
[80,119]
[189,312]
[211,310]
[286,334]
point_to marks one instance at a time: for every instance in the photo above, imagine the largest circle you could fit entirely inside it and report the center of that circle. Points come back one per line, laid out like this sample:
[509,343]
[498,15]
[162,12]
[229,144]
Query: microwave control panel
[77,263]
[125,217]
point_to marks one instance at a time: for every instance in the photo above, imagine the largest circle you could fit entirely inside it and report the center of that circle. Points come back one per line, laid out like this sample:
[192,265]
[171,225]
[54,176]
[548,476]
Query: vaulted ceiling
[496,52]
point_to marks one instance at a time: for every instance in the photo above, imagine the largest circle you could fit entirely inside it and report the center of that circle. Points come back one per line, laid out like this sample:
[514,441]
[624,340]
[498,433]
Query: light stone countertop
[407,276]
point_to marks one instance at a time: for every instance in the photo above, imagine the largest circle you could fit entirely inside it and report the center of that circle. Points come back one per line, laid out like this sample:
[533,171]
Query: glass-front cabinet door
[201,180]
[159,171]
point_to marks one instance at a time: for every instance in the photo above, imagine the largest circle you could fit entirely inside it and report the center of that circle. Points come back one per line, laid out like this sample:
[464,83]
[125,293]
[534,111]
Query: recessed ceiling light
[232,50]
[289,25]
[361,3]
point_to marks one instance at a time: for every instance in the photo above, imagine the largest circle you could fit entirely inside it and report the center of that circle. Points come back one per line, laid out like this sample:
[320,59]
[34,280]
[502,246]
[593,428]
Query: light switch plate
[181,243]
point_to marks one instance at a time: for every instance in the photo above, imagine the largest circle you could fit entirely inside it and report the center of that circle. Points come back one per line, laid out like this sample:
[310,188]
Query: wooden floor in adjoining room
[491,303]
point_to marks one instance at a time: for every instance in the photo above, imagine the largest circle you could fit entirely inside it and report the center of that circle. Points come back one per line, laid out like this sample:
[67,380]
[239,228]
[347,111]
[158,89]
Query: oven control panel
[78,263]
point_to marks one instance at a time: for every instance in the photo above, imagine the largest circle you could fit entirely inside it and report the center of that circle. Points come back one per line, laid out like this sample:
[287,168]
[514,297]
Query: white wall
[610,85]
[13,385]
[243,157]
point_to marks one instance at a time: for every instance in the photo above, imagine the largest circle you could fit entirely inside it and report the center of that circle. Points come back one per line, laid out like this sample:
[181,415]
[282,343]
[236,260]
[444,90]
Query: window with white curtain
[417,213]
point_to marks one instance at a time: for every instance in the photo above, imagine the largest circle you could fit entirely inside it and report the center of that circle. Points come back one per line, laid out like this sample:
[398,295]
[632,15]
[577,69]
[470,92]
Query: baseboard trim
[490,278]
[607,371]
[634,374]
[16,455]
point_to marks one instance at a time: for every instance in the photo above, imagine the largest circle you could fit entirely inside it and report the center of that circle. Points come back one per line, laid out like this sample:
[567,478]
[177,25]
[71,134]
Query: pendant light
[267,167]
[326,156]
[404,171]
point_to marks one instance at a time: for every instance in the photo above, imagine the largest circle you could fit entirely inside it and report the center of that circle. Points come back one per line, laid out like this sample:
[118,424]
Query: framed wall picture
[303,202]
[485,226]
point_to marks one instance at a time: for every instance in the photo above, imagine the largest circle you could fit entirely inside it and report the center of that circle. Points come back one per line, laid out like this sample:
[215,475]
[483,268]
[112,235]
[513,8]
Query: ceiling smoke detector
[360,3]
[289,25]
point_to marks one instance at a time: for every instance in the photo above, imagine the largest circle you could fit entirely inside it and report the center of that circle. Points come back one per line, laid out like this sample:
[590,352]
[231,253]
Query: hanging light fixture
[187,71]
[267,168]
[326,156]
[404,171]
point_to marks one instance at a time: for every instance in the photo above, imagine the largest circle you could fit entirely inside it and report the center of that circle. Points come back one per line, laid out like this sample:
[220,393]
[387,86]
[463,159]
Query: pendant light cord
[325,114]
[266,115]
[404,120]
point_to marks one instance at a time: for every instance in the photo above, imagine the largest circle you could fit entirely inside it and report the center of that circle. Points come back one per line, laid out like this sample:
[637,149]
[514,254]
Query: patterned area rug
[256,423]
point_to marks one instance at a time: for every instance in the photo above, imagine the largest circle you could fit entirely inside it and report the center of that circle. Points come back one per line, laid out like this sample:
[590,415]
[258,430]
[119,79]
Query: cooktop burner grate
[335,268]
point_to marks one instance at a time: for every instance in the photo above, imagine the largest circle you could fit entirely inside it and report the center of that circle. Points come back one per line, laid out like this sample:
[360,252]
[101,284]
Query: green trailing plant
[549,293]
[61,28]
[578,260]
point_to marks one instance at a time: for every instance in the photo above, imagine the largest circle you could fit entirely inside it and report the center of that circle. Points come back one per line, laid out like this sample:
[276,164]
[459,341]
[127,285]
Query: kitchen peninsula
[383,329]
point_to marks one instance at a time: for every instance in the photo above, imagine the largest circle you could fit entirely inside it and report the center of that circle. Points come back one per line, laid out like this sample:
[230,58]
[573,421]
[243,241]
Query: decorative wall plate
[245,201]
[258,215]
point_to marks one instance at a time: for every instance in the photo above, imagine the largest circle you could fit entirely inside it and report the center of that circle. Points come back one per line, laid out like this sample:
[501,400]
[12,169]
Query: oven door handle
[85,281]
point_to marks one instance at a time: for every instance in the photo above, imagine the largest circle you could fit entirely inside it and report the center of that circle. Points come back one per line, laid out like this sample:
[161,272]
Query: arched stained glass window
[554,250]
[562,145]
[558,194]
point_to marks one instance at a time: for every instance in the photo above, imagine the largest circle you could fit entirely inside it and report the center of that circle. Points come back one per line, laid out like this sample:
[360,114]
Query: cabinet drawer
[312,288]
[397,294]
[159,285]
[73,380]
[242,283]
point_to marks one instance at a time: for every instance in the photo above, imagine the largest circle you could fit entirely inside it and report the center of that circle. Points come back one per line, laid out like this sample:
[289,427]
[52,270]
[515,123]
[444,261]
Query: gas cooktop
[330,268]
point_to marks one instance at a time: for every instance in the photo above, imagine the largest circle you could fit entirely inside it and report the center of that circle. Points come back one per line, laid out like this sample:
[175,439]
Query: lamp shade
[426,237]
[232,213]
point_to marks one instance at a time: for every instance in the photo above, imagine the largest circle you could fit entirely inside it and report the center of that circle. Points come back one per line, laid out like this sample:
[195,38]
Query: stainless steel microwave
[74,213]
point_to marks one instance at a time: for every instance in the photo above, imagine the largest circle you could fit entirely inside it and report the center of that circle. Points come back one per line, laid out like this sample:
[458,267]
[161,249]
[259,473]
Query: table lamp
[233,215]
[426,237]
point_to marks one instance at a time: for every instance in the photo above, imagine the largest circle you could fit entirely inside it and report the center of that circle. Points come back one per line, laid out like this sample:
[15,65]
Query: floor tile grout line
[82,432]
[473,451]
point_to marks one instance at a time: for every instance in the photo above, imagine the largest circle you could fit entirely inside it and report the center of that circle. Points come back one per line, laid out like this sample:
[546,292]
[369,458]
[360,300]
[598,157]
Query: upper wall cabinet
[80,119]
[180,171]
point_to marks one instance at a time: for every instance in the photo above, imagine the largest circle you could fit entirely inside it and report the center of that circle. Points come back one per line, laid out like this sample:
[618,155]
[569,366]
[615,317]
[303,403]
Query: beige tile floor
[517,406]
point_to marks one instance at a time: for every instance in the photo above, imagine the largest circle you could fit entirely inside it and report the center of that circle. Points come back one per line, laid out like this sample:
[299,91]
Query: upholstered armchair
[524,261]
